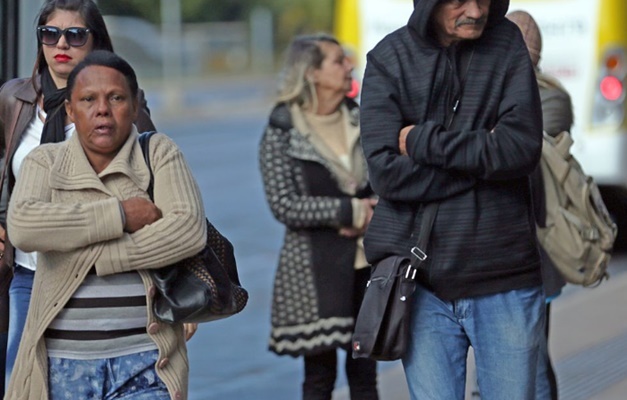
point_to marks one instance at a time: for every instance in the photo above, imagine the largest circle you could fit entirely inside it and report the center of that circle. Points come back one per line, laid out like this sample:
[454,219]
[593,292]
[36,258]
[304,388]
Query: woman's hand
[190,330]
[352,232]
[139,212]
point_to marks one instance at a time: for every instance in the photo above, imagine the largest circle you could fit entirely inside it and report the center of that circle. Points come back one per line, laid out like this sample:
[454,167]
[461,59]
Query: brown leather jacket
[18,99]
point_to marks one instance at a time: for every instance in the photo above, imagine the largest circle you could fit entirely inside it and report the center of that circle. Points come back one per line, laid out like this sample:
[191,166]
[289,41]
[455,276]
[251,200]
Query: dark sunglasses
[50,35]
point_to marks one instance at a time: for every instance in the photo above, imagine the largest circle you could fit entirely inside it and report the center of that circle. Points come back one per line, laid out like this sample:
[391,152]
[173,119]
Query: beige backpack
[579,232]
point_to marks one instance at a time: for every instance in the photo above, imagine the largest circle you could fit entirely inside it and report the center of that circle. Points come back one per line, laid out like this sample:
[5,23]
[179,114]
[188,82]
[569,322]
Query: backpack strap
[562,142]
[556,153]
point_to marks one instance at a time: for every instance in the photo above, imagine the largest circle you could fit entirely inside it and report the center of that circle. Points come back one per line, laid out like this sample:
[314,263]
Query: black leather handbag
[201,288]
[382,325]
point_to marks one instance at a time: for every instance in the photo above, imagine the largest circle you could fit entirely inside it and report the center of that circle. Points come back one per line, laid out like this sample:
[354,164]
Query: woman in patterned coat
[315,180]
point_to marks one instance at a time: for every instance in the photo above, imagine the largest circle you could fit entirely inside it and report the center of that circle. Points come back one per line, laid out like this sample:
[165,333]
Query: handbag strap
[418,252]
[219,244]
[144,143]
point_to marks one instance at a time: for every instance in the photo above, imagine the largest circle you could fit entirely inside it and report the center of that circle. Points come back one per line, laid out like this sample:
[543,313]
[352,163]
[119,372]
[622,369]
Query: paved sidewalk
[588,344]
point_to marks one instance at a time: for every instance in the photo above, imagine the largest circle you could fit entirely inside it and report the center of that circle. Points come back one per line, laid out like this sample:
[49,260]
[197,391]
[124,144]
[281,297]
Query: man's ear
[69,110]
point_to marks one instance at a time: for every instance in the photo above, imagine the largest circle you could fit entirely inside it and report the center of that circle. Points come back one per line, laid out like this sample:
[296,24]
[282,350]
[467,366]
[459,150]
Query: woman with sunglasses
[32,112]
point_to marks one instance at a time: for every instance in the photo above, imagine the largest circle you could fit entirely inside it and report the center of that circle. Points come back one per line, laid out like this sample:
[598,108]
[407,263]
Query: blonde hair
[303,55]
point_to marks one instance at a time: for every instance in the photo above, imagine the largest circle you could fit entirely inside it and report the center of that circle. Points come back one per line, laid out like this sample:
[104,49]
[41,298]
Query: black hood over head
[419,21]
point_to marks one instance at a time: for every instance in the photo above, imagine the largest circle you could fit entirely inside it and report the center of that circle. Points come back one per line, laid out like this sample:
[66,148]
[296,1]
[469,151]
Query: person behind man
[316,184]
[451,115]
[557,117]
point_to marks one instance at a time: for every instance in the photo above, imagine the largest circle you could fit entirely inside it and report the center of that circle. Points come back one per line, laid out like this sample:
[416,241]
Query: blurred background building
[175,43]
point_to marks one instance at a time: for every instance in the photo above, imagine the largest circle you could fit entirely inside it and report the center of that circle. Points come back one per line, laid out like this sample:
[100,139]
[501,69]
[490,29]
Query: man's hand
[139,212]
[371,203]
[402,139]
[3,237]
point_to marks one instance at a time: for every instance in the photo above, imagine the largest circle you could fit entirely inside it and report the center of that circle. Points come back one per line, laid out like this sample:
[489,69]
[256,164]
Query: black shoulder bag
[201,288]
[382,326]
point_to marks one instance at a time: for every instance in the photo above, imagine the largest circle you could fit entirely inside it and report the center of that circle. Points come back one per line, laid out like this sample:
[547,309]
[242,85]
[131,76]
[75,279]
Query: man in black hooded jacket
[451,116]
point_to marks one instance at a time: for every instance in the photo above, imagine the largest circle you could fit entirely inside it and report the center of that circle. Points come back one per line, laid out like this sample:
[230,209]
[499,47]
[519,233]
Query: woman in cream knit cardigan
[82,205]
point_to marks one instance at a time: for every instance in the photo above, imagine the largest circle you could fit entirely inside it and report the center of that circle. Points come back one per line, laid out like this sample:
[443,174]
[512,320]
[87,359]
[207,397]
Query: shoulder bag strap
[144,143]
[419,251]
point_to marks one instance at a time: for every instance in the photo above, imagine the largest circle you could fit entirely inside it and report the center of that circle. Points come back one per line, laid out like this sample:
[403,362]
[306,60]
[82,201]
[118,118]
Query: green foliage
[191,10]
[147,9]
[291,17]
[295,17]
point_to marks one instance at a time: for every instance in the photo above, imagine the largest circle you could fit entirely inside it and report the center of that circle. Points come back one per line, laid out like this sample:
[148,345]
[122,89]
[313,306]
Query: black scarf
[54,127]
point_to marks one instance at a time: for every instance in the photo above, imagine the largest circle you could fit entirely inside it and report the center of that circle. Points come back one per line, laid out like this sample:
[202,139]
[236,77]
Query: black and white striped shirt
[105,318]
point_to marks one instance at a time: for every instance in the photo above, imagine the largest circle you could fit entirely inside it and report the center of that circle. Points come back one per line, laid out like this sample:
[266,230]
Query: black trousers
[321,373]
[361,373]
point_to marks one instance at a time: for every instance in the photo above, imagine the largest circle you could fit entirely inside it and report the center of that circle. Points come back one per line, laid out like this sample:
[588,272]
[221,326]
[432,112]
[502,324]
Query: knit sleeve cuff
[346,213]
[114,258]
[109,215]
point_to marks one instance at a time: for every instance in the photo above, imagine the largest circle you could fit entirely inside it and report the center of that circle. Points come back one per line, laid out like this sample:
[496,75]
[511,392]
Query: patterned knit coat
[313,305]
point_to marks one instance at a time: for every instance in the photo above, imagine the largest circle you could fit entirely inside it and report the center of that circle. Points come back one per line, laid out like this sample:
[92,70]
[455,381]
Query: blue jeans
[19,299]
[504,329]
[131,377]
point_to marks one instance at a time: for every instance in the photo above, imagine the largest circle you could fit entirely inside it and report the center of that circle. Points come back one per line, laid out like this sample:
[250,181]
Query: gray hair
[303,54]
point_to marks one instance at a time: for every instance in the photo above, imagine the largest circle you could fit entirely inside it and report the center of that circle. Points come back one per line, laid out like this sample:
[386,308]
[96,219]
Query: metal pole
[261,41]
[27,43]
[171,54]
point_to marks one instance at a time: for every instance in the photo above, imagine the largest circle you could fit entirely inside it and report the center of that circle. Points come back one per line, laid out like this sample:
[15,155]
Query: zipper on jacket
[453,92]
[459,81]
